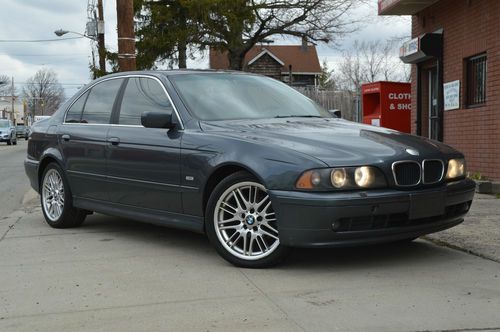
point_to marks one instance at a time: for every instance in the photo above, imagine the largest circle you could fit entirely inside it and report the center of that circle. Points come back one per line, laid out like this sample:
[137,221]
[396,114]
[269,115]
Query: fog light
[338,177]
[364,176]
[336,225]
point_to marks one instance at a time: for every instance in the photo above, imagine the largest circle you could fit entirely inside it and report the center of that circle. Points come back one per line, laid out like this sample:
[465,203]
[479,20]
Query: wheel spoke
[271,228]
[225,221]
[245,202]
[233,241]
[263,243]
[263,231]
[226,204]
[227,211]
[238,226]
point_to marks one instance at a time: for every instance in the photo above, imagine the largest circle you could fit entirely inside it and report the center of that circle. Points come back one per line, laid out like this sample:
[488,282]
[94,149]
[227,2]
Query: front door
[144,163]
[433,105]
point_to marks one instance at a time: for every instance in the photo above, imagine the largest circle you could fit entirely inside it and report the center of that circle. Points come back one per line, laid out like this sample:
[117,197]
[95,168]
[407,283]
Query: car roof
[175,72]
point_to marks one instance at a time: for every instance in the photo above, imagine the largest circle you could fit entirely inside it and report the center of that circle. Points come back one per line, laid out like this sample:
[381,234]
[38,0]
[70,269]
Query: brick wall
[470,27]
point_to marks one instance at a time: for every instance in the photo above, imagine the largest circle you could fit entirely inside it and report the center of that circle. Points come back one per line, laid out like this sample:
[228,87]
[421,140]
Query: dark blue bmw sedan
[246,159]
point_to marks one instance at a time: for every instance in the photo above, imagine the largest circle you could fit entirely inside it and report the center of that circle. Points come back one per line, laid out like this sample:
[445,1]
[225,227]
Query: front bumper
[353,218]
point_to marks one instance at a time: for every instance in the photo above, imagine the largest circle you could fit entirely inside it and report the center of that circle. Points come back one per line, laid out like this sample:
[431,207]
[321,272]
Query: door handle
[114,140]
[66,137]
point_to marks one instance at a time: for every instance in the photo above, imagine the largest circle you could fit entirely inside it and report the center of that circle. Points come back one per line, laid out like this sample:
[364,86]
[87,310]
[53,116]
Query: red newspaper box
[387,104]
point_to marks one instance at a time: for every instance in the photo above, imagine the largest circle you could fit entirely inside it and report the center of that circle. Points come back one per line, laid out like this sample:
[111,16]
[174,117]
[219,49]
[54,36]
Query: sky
[70,58]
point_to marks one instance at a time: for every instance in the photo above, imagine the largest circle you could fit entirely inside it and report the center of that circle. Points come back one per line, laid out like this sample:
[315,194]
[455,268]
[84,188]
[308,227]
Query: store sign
[410,47]
[451,92]
[399,101]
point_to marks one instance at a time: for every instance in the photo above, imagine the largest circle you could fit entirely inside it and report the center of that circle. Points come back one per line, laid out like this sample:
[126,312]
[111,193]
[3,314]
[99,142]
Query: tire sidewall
[272,259]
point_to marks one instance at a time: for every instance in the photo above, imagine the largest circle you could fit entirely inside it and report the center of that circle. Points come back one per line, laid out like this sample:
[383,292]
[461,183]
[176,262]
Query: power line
[35,40]
[24,83]
[36,55]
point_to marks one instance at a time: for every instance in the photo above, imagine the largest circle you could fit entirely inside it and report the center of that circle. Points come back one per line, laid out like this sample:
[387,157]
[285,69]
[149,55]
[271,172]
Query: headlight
[456,168]
[338,177]
[346,178]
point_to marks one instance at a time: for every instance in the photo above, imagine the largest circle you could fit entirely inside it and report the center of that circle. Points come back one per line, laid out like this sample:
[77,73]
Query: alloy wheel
[53,195]
[245,222]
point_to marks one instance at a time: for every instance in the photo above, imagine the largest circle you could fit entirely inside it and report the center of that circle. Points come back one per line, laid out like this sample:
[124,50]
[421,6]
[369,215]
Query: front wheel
[241,223]
[56,200]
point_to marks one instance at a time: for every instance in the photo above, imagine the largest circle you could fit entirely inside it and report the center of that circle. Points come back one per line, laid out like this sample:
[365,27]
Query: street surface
[13,181]
[117,275]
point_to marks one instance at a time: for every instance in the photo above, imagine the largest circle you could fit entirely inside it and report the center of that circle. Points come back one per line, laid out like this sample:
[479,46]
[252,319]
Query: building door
[433,104]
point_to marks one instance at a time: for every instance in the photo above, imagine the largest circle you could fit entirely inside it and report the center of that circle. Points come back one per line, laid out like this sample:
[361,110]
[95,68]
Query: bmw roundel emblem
[413,152]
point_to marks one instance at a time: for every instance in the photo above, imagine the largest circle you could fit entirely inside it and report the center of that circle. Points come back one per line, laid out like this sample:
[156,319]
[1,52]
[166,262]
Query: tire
[15,141]
[9,142]
[251,238]
[56,199]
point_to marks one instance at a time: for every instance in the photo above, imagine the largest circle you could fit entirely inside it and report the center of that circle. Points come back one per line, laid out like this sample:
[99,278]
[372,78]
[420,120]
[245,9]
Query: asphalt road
[13,181]
[113,274]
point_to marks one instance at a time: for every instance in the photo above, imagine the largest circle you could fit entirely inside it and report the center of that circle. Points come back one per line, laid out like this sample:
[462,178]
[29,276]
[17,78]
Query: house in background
[300,62]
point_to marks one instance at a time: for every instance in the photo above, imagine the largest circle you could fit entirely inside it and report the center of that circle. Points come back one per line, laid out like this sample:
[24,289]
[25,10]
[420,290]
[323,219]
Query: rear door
[82,138]
[144,163]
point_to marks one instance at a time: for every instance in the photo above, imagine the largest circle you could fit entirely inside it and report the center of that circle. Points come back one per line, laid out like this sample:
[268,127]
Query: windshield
[225,96]
[4,124]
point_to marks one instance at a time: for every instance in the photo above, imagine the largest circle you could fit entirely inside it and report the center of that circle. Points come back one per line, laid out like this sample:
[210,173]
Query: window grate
[476,80]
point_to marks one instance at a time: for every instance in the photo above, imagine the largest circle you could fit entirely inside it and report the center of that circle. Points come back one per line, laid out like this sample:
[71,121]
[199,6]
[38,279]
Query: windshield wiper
[297,116]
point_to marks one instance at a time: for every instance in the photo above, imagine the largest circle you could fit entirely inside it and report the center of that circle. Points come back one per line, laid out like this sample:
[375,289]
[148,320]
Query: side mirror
[335,113]
[157,120]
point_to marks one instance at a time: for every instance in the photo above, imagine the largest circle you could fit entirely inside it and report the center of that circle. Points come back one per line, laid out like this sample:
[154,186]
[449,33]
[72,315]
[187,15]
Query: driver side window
[142,95]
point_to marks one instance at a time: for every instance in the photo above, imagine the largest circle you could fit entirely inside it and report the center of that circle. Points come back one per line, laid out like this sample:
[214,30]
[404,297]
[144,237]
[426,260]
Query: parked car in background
[246,159]
[7,132]
[22,131]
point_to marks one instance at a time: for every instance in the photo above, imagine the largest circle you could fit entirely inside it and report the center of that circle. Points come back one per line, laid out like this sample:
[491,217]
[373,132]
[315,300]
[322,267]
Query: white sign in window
[451,94]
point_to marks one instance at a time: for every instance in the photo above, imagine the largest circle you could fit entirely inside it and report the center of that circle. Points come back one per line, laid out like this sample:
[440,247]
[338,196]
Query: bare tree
[369,62]
[43,92]
[5,85]
[235,26]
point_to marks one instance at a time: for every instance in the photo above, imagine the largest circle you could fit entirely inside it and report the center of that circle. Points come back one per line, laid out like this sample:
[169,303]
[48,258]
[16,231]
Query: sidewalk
[479,234]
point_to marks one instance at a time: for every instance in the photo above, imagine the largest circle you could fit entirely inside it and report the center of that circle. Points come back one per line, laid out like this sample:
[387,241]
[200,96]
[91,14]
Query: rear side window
[142,95]
[100,102]
[74,114]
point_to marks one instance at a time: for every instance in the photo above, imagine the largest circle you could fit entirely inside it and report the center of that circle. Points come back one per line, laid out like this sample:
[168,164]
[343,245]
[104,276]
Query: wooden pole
[100,39]
[126,35]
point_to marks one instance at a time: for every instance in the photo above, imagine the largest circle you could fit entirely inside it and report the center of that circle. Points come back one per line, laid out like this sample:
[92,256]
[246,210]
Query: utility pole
[12,99]
[126,34]
[100,38]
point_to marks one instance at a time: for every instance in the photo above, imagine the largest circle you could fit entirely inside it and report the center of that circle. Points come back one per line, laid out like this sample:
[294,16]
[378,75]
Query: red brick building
[455,52]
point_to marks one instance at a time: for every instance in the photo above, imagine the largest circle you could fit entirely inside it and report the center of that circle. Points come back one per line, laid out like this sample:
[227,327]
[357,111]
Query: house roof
[302,60]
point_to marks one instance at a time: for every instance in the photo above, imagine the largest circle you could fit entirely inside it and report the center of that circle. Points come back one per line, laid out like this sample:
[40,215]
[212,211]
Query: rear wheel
[56,200]
[241,223]
[9,142]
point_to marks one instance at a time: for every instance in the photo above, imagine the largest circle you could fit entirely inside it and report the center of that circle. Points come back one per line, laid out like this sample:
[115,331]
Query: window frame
[116,116]
[119,97]
[472,98]
[84,95]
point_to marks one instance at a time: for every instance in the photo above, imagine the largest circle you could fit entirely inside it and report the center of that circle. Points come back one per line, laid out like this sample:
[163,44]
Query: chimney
[304,43]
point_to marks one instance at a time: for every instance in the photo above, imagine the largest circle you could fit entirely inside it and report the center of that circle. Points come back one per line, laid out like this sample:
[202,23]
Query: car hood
[336,142]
